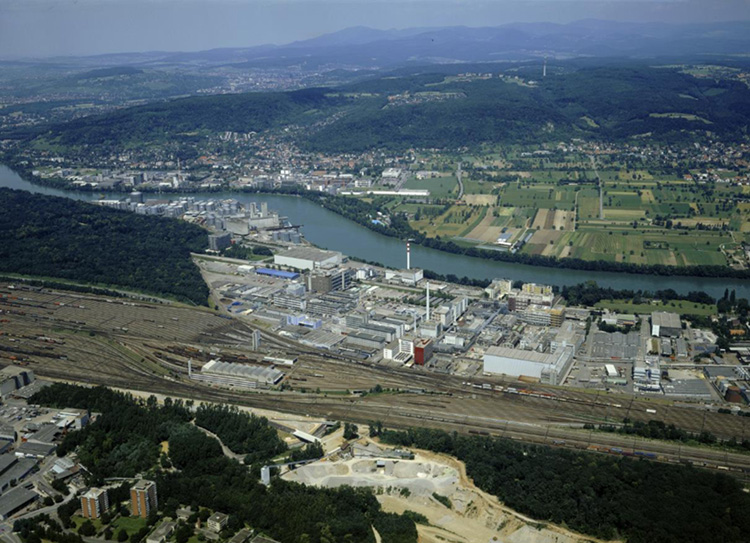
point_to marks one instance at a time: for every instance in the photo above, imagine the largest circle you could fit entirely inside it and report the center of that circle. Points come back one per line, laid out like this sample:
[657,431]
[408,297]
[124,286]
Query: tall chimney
[428,302]
[408,255]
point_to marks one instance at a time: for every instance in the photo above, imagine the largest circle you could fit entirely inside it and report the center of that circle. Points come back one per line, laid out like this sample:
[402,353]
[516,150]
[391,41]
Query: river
[331,231]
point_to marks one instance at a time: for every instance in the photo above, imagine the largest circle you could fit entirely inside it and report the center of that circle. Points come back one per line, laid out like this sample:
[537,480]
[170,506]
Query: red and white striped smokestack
[408,255]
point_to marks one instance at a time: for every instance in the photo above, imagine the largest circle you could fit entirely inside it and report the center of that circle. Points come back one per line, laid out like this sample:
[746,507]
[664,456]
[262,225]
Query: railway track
[129,359]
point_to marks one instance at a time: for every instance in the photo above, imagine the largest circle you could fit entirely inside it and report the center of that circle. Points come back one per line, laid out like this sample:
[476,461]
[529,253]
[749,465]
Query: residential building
[217,522]
[143,498]
[94,503]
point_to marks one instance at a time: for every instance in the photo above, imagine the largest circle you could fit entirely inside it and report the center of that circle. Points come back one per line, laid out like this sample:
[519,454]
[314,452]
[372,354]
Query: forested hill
[57,237]
[602,102]
[439,109]
[157,122]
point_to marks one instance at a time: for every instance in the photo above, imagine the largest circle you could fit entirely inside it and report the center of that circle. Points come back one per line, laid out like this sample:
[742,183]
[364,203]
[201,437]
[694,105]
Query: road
[37,479]
[226,450]
[460,182]
[601,188]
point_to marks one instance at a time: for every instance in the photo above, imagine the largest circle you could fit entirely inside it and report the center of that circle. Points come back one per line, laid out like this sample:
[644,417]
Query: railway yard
[95,340]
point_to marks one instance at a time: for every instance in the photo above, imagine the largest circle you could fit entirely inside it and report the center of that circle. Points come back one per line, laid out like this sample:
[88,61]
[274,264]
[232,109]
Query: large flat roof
[277,273]
[547,359]
[665,320]
[15,499]
[309,253]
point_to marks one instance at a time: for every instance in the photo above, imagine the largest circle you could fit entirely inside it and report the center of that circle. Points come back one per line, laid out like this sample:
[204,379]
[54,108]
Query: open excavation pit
[421,478]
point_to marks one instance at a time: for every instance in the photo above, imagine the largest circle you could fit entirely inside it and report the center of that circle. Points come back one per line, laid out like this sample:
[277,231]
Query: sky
[43,28]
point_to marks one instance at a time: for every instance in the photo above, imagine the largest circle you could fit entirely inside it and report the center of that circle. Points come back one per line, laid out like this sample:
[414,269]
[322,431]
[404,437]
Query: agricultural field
[457,221]
[538,196]
[439,187]
[647,216]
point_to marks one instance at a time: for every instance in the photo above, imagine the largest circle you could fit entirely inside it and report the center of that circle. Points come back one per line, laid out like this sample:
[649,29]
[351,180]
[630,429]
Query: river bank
[330,230]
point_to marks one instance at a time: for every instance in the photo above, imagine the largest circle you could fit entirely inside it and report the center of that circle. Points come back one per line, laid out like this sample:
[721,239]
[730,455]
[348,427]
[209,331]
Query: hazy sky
[71,27]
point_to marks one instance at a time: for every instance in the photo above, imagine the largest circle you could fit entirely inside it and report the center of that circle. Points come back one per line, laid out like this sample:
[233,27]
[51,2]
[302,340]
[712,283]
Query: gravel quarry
[403,484]
[420,478]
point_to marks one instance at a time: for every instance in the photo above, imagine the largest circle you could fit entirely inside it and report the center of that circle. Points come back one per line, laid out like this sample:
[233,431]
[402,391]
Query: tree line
[603,496]
[57,237]
[196,472]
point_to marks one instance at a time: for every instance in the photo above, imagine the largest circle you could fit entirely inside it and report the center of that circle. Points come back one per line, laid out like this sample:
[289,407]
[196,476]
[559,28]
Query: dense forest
[638,500]
[178,119]
[600,102]
[48,236]
[242,432]
[126,438]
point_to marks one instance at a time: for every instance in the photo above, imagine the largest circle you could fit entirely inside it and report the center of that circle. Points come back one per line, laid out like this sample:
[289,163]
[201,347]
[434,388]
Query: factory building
[308,258]
[334,303]
[291,297]
[548,368]
[499,288]
[536,290]
[15,500]
[665,324]
[423,349]
[400,350]
[407,277]
[647,375]
[520,301]
[542,316]
[570,333]
[237,375]
[362,339]
[94,502]
[12,378]
[280,274]
[328,280]
[219,242]
[143,498]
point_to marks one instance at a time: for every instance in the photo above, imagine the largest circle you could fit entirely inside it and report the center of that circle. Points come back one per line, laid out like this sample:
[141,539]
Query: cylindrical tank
[733,395]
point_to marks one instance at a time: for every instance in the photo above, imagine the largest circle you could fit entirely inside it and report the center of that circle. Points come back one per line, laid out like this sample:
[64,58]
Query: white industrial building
[308,258]
[237,375]
[548,368]
[400,350]
[407,277]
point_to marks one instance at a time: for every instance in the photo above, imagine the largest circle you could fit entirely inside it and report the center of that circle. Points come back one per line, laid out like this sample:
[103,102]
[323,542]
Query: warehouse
[238,375]
[15,500]
[694,389]
[35,450]
[12,378]
[548,368]
[277,273]
[665,324]
[308,258]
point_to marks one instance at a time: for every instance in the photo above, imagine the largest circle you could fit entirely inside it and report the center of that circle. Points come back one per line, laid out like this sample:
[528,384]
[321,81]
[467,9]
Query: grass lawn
[130,524]
[681,307]
[77,521]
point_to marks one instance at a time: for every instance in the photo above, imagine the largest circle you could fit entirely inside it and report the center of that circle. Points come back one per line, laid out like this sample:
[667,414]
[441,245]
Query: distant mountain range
[371,48]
